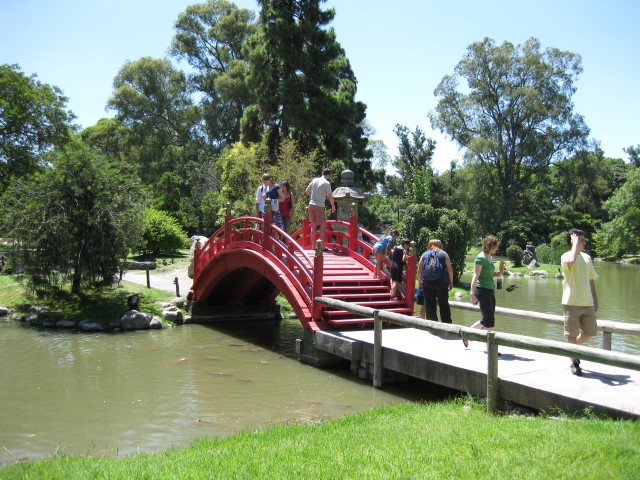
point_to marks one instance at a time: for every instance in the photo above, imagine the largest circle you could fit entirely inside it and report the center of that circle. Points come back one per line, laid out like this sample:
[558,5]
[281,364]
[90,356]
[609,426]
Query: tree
[621,235]
[453,228]
[75,220]
[634,155]
[514,116]
[151,98]
[33,119]
[414,163]
[303,82]
[210,37]
[162,233]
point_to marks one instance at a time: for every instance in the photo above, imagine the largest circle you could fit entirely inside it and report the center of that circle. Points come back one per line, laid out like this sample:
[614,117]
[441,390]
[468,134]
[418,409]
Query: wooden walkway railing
[492,340]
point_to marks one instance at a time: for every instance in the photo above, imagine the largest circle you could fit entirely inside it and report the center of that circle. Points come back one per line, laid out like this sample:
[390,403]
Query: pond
[146,391]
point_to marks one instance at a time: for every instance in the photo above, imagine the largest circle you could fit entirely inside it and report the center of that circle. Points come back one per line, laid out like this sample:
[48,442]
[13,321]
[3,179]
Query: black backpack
[433,268]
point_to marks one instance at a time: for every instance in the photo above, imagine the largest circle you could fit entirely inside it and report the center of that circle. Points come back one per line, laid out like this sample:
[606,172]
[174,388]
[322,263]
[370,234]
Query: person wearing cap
[319,190]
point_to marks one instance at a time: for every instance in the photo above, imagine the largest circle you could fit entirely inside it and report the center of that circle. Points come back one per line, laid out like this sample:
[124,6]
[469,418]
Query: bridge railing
[607,327]
[492,340]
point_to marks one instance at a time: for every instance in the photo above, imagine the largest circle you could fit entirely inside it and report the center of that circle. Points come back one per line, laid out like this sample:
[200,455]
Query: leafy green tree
[634,155]
[584,182]
[453,228]
[73,221]
[514,115]
[152,99]
[210,37]
[515,254]
[621,235]
[33,119]
[414,163]
[304,84]
[162,233]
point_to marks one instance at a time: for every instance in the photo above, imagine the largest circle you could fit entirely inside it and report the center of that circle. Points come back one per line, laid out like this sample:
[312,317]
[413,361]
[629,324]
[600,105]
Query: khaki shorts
[579,318]
[317,214]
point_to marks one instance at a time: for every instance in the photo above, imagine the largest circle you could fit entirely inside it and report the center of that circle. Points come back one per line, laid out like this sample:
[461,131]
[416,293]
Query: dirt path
[163,280]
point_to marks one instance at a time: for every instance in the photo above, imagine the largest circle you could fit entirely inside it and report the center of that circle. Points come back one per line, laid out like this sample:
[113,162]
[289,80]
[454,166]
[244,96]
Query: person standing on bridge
[274,193]
[380,248]
[483,286]
[398,260]
[579,298]
[436,290]
[319,190]
[260,192]
[286,206]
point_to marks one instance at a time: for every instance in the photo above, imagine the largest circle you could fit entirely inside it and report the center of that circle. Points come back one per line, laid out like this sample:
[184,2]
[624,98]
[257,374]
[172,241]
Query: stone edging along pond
[40,317]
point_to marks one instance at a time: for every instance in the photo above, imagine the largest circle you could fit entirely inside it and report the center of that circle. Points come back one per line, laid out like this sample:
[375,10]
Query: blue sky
[399,51]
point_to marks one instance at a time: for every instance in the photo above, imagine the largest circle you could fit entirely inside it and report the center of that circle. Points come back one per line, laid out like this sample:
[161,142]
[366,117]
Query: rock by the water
[4,311]
[134,320]
[155,323]
[90,326]
[173,315]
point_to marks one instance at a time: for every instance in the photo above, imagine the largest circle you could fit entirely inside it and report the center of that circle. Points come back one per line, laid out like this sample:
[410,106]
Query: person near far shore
[380,248]
[286,205]
[579,298]
[482,284]
[274,193]
[398,260]
[319,190]
[437,292]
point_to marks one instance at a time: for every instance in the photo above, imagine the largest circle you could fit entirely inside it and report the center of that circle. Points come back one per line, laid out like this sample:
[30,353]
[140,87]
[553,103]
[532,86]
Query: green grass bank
[453,439]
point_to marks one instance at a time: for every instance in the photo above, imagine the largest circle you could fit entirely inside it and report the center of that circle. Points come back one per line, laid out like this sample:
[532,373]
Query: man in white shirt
[319,190]
[579,298]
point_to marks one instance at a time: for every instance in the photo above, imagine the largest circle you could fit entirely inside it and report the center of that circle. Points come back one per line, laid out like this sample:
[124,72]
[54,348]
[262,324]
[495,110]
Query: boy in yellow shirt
[579,298]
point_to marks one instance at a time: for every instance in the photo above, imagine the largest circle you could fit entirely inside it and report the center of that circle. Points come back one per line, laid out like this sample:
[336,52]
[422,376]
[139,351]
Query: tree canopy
[33,118]
[514,114]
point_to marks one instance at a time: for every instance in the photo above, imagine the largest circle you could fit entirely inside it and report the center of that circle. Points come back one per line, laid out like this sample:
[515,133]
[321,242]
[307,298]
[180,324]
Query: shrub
[546,254]
[515,254]
[162,233]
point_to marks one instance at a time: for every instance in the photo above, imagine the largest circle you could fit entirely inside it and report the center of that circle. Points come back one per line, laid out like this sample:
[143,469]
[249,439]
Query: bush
[162,233]
[515,254]
[546,254]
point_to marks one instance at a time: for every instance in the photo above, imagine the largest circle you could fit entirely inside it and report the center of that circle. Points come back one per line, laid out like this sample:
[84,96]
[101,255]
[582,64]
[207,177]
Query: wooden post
[410,278]
[377,350]
[606,340]
[493,382]
[175,280]
[148,279]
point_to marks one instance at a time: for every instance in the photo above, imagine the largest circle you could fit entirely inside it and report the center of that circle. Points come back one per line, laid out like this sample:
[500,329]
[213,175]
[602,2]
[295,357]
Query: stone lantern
[345,195]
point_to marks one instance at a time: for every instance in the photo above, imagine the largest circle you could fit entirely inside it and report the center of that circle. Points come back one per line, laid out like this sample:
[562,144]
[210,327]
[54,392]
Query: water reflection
[118,394]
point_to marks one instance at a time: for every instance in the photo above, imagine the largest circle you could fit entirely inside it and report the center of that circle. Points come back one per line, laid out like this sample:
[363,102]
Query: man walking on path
[319,190]
[579,299]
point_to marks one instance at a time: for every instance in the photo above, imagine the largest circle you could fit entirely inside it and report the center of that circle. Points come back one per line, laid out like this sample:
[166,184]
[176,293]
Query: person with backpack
[398,259]
[436,280]
[482,284]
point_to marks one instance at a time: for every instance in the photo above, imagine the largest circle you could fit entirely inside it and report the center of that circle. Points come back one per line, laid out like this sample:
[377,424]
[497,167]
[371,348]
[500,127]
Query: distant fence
[492,339]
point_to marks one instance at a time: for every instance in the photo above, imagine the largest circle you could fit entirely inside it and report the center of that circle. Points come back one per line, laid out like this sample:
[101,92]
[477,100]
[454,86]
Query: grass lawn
[453,439]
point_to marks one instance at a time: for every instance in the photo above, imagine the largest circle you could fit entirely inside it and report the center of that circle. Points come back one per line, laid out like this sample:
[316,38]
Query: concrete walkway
[537,380]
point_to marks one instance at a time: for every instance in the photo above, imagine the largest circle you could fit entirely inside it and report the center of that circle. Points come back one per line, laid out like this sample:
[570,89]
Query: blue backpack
[433,268]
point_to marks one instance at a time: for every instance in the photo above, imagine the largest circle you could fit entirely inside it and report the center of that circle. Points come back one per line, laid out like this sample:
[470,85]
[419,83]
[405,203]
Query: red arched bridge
[247,262]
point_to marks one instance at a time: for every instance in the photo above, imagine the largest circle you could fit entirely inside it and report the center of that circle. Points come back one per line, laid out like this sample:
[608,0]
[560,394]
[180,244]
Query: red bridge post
[197,268]
[266,231]
[318,266]
[306,229]
[227,226]
[353,229]
[410,279]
